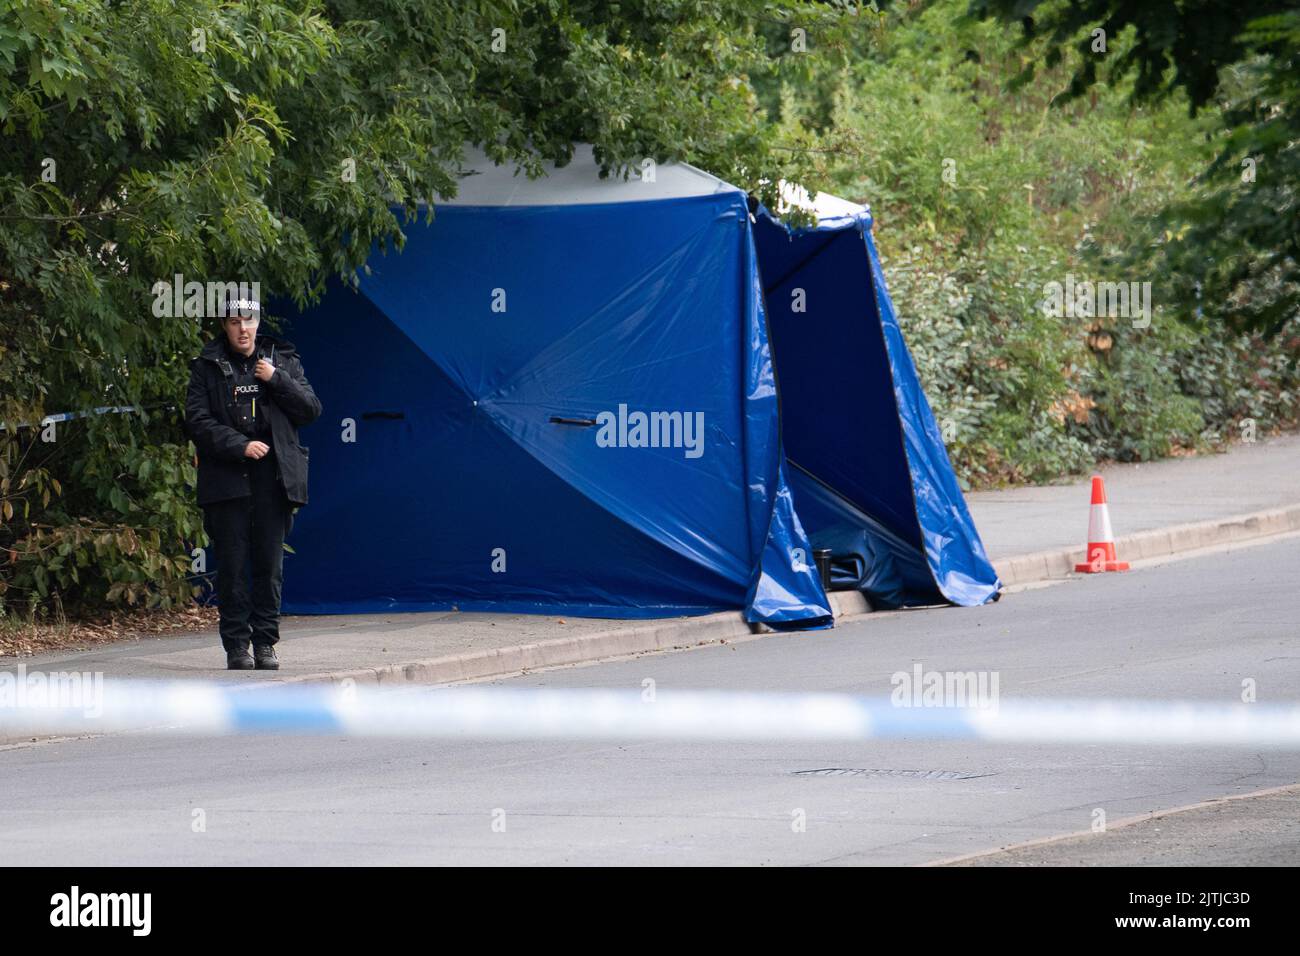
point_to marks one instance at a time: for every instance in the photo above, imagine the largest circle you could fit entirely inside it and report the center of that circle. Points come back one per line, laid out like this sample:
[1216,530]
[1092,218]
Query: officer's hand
[256,449]
[264,370]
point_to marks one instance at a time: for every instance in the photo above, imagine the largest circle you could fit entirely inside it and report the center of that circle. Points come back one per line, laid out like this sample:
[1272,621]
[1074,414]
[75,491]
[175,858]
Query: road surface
[1193,629]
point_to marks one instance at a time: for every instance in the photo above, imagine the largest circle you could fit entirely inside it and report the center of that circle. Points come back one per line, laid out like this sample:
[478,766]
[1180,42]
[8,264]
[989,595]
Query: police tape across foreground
[213,709]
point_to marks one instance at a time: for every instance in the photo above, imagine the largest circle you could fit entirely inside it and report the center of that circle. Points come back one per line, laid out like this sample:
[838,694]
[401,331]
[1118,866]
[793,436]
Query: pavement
[1247,479]
[1157,509]
[1032,534]
[1191,629]
[1254,829]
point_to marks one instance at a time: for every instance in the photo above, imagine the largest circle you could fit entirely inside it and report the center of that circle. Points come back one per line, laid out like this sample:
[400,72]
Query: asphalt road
[1191,629]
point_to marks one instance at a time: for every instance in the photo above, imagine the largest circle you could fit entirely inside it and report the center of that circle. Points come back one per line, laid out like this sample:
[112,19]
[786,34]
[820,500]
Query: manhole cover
[906,774]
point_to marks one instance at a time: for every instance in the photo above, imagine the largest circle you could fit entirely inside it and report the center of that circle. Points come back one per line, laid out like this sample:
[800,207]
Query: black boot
[266,659]
[239,660]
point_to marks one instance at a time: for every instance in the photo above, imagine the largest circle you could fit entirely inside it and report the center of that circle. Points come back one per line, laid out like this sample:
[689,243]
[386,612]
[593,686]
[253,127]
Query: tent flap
[874,482]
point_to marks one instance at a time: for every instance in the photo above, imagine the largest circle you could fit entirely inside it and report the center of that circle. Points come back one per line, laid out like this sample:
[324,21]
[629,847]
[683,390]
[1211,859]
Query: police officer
[247,399]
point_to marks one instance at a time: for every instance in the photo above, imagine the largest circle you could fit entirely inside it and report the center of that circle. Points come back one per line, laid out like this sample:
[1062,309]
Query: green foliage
[114,530]
[991,362]
[1230,248]
[1139,410]
[1175,46]
[984,192]
[215,139]
[1234,245]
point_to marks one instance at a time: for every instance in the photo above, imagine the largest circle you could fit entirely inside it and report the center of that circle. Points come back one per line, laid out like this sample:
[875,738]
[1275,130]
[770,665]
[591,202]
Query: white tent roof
[578,183]
[821,205]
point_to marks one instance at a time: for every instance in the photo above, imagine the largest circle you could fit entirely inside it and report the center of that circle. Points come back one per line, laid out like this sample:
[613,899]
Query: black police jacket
[289,404]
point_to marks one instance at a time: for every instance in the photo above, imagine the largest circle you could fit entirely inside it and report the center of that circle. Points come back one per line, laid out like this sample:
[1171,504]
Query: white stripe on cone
[1099,526]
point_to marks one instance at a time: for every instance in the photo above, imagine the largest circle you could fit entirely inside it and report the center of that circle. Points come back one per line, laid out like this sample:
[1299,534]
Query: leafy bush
[118,527]
[984,192]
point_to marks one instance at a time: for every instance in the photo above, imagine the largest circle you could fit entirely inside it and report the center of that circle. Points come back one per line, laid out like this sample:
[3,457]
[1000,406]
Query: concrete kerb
[620,642]
[1156,543]
[502,661]
[730,626]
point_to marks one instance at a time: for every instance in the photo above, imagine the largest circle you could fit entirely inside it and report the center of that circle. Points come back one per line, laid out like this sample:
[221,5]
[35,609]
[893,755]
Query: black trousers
[248,535]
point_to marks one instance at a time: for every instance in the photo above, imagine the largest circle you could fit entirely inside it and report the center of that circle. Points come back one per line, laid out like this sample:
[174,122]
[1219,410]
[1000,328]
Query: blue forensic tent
[561,398]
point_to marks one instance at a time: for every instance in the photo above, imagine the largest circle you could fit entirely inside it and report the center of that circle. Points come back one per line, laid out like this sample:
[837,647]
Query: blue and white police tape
[477,712]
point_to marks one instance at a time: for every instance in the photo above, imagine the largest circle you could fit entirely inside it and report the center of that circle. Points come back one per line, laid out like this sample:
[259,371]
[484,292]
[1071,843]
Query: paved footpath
[1253,478]
[1031,534]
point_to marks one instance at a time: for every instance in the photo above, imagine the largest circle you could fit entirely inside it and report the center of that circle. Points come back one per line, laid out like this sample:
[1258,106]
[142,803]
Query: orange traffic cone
[1101,540]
